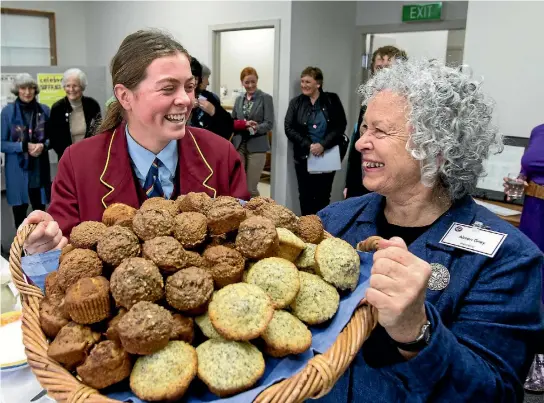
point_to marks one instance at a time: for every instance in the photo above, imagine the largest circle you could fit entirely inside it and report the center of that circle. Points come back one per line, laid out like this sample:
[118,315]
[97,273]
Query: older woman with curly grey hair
[75,116]
[455,287]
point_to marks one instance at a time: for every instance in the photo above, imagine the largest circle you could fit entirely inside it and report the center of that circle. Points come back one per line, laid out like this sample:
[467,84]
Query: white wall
[428,44]
[503,44]
[70,22]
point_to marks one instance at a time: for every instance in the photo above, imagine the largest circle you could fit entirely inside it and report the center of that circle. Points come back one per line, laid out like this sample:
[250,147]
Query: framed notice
[497,166]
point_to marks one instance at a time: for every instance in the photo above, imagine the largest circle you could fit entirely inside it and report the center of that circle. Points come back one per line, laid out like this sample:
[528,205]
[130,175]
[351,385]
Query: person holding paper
[456,288]
[315,122]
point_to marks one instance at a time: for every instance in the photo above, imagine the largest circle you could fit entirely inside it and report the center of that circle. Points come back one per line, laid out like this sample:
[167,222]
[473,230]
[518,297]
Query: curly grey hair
[450,120]
[24,80]
[81,76]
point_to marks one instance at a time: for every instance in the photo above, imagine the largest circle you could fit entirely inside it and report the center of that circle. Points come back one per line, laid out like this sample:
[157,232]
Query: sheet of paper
[500,165]
[328,162]
[498,209]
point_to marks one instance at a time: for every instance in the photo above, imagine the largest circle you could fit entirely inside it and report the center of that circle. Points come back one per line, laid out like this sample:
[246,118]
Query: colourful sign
[50,88]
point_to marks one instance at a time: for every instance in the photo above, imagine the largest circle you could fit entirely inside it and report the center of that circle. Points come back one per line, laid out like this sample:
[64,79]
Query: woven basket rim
[316,379]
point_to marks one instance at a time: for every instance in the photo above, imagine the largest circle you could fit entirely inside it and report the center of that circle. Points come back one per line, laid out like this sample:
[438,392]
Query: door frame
[215,56]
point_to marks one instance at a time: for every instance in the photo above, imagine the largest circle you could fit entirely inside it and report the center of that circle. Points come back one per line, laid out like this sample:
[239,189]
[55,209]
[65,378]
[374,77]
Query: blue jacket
[485,324]
[16,177]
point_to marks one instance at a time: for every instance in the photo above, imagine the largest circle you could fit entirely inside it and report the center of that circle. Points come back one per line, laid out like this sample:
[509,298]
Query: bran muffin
[52,286]
[183,328]
[306,260]
[166,374]
[278,278]
[72,344]
[145,328]
[107,364]
[205,325]
[240,311]
[119,214]
[87,234]
[255,202]
[160,203]
[229,367]
[153,222]
[118,243]
[310,229]
[225,219]
[281,216]
[189,289]
[192,259]
[76,265]
[286,335]
[88,300]
[316,301]
[135,280]
[257,238]
[291,246]
[67,249]
[190,229]
[224,264]
[165,252]
[198,202]
[51,318]
[338,263]
[225,201]
[112,333]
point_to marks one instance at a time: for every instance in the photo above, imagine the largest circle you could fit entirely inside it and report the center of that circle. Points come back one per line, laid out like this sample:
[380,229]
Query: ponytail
[114,116]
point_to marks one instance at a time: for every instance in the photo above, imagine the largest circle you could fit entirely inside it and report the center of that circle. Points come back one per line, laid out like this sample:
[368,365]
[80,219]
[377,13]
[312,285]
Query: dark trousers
[19,212]
[314,190]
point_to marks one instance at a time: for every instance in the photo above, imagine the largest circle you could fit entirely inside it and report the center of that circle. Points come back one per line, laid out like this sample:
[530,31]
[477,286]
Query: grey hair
[24,80]
[206,72]
[449,118]
[81,76]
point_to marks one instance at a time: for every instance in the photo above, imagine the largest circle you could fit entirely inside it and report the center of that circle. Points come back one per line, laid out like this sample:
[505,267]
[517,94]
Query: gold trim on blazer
[112,189]
[205,184]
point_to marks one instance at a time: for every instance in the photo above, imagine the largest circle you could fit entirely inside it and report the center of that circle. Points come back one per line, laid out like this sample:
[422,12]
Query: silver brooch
[440,277]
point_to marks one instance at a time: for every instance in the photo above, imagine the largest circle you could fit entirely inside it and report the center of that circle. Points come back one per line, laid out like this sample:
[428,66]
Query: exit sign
[422,12]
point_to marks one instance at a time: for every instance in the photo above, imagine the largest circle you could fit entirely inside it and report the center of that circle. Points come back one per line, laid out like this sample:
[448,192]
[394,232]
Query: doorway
[234,47]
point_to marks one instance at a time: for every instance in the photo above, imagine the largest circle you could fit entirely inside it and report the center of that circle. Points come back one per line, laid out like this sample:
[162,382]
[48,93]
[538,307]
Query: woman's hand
[251,123]
[35,149]
[398,283]
[46,236]
[206,106]
[317,149]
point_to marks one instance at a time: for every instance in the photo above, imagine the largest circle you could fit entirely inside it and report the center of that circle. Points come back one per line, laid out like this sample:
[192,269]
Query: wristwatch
[422,340]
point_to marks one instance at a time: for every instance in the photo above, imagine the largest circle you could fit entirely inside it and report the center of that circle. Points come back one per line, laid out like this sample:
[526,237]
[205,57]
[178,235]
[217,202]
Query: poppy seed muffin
[281,216]
[257,238]
[72,344]
[316,301]
[306,260]
[205,325]
[152,222]
[198,202]
[51,318]
[190,229]
[107,364]
[78,264]
[166,374]
[240,311]
[183,328]
[229,367]
[189,289]
[165,252]
[290,245]
[310,229]
[119,214]
[338,263]
[87,234]
[88,300]
[286,335]
[135,280]
[278,278]
[145,328]
[160,203]
[224,264]
[117,244]
[225,219]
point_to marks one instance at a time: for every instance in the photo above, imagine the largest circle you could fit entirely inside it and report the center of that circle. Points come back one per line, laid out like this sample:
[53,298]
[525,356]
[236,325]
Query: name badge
[473,238]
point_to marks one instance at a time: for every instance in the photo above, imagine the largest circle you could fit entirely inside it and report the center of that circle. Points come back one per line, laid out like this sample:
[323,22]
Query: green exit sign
[422,12]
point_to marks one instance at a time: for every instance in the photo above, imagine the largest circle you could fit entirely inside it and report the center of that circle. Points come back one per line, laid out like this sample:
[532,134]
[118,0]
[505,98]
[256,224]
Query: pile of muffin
[129,290]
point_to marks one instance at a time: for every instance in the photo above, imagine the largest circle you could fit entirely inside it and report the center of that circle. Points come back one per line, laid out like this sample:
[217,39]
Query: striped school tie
[152,185]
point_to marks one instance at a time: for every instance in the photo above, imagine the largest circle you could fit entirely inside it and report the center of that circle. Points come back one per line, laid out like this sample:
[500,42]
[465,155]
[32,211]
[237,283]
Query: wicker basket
[315,380]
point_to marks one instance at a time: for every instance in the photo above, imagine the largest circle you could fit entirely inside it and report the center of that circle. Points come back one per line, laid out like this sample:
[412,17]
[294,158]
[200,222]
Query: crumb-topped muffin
[117,244]
[72,344]
[257,238]
[165,252]
[152,222]
[107,364]
[189,289]
[183,328]
[225,217]
[224,264]
[51,318]
[190,229]
[281,216]
[160,203]
[119,214]
[310,229]
[78,264]
[199,202]
[87,234]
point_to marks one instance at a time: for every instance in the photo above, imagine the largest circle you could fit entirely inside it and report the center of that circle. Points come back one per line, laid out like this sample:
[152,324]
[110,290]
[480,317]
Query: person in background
[25,144]
[532,225]
[453,325]
[207,110]
[315,122]
[253,115]
[381,58]
[75,116]
[206,73]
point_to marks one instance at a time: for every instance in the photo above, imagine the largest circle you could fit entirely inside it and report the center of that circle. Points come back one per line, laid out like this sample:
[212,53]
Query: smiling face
[309,86]
[27,94]
[159,107]
[388,167]
[73,89]
[382,62]
[250,84]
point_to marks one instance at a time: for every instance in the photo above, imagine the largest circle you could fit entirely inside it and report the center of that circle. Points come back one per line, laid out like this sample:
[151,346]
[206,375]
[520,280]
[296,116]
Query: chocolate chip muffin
[183,328]
[88,300]
[135,280]
[151,223]
[281,216]
[190,229]
[165,252]
[112,333]
[107,364]
[117,244]
[51,318]
[145,328]
[225,265]
[189,289]
[310,229]
[72,344]
[198,202]
[76,265]
[87,234]
[254,203]
[119,214]
[257,238]
[162,204]
[225,218]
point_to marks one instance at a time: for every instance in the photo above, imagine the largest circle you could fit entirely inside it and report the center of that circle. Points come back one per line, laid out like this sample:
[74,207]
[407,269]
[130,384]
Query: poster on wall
[50,88]
[7,97]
